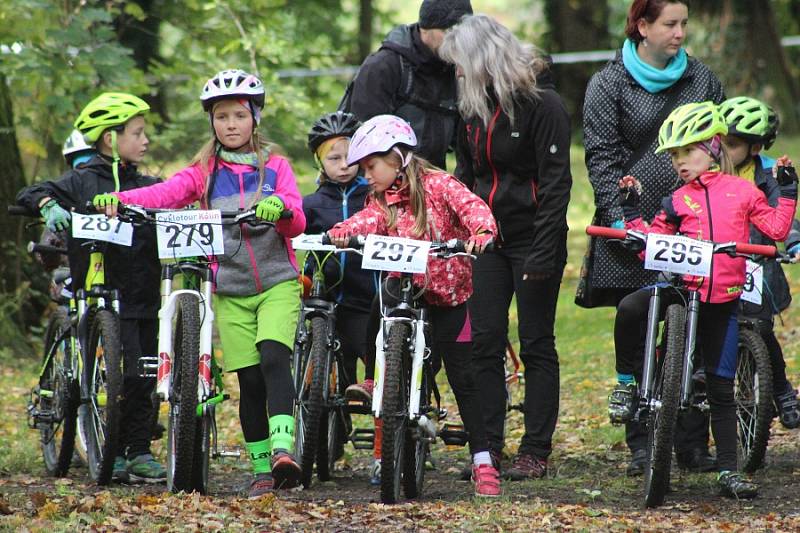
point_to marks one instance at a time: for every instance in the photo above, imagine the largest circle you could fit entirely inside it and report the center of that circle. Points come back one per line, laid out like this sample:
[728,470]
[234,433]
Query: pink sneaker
[487,481]
[360,391]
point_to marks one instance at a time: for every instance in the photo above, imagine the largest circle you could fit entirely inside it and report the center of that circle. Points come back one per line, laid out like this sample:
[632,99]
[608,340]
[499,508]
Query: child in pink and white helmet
[411,198]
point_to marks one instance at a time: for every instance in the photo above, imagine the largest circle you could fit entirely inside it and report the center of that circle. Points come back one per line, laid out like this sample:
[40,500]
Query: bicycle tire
[317,360]
[661,421]
[330,425]
[753,396]
[104,382]
[300,358]
[182,423]
[57,436]
[393,412]
[416,454]
[202,453]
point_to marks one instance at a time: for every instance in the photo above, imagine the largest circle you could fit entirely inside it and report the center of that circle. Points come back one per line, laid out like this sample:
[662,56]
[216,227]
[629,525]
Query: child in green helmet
[711,205]
[753,127]
[114,124]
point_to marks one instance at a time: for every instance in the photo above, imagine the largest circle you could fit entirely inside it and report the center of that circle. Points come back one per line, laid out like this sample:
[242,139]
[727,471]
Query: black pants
[351,327]
[717,335]
[139,337]
[780,383]
[497,276]
[451,338]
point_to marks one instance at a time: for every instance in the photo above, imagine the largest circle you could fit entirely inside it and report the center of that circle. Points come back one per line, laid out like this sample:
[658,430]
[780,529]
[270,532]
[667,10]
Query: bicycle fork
[692,314]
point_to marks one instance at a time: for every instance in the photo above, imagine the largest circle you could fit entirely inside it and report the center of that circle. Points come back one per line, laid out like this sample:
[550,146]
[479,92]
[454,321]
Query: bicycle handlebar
[604,231]
[34,247]
[453,246]
[137,212]
[19,211]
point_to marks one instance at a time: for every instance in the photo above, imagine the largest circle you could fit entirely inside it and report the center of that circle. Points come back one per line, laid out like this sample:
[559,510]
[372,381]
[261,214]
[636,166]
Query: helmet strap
[404,159]
[115,164]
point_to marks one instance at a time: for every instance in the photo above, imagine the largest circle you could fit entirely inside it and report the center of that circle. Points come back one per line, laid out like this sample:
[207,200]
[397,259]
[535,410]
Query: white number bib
[101,228]
[678,254]
[189,233]
[753,283]
[311,243]
[395,254]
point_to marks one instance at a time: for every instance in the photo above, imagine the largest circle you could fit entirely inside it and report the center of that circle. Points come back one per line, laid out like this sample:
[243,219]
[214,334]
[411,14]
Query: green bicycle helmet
[750,119]
[691,123]
[106,111]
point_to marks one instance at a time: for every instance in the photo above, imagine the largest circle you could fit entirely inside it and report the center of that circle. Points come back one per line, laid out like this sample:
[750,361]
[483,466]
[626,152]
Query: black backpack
[406,85]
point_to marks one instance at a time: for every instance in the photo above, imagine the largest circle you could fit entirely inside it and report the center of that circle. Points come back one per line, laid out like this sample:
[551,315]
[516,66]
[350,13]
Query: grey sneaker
[735,485]
[622,403]
[144,468]
[262,484]
[120,472]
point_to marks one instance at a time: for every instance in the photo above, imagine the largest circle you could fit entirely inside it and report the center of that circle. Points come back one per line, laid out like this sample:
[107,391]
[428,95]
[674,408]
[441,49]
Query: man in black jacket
[406,77]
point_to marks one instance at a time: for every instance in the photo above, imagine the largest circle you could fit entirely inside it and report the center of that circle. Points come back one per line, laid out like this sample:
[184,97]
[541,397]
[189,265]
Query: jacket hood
[101,166]
[406,41]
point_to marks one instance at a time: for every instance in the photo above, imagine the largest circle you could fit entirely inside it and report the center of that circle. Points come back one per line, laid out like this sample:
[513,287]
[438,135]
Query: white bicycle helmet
[232,83]
[75,143]
[379,135]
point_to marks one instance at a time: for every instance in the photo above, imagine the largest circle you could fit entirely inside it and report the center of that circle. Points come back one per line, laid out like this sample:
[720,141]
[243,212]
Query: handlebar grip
[604,231]
[34,247]
[19,211]
[759,249]
[287,213]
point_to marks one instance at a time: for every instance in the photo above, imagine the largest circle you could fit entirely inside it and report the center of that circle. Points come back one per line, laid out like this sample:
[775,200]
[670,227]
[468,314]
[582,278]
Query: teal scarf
[653,79]
[243,158]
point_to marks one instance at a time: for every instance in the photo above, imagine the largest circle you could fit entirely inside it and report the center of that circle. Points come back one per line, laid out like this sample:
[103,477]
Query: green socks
[281,432]
[260,454]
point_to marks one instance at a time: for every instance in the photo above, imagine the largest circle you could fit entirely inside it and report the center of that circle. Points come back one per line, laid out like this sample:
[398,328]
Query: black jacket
[775,295]
[522,172]
[134,270]
[329,205]
[429,105]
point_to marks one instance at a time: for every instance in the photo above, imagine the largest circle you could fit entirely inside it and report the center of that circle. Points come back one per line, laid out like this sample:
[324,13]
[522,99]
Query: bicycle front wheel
[664,411]
[58,397]
[394,411]
[311,404]
[333,424]
[417,448]
[753,396]
[103,371]
[183,395]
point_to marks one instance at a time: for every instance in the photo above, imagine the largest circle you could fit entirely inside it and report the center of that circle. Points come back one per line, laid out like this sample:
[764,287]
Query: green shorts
[244,321]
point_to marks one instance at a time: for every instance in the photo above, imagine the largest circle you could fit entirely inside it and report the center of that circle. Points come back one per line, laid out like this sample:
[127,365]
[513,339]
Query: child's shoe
[360,391]
[285,470]
[487,481]
[144,468]
[787,407]
[120,472]
[375,473]
[622,403]
[262,484]
[735,485]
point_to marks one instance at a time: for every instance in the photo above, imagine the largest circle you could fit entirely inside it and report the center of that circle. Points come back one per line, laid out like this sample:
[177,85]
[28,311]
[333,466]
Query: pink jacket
[453,213]
[256,257]
[719,207]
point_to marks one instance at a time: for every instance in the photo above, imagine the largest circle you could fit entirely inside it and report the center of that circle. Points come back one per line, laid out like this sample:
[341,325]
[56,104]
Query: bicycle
[667,384]
[187,374]
[322,414]
[91,353]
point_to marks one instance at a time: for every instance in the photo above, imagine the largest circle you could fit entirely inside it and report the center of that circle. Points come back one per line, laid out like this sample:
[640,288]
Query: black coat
[430,108]
[522,171]
[617,115]
[134,270]
[329,205]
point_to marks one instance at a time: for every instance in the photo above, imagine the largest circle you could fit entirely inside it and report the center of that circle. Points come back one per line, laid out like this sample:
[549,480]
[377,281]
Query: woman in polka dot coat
[513,151]
[623,103]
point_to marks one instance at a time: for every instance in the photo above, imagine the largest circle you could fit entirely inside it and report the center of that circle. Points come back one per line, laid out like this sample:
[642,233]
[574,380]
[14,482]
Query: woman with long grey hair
[513,152]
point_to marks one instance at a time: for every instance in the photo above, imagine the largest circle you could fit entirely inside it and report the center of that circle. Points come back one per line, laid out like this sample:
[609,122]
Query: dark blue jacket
[775,292]
[330,204]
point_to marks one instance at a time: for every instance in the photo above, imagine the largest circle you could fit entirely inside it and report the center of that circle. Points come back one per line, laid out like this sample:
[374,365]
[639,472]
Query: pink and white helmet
[232,83]
[378,135]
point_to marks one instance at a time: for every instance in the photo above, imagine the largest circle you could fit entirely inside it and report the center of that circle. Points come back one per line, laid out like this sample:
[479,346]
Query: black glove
[629,197]
[786,176]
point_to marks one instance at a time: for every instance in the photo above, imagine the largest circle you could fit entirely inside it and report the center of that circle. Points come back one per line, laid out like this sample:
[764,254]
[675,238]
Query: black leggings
[717,335]
[452,339]
[273,375]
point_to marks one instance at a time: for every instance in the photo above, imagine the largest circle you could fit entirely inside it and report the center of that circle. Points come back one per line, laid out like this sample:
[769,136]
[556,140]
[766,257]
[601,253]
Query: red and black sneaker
[285,470]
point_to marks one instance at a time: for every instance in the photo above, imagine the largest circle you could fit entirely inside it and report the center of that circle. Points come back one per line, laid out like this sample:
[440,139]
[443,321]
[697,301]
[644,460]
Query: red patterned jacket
[453,213]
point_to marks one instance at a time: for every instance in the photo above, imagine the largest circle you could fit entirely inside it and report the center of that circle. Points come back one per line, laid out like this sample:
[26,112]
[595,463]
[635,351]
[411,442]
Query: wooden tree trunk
[365,16]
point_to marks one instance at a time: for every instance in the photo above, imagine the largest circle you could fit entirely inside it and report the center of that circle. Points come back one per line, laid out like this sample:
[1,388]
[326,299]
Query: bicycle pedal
[227,453]
[454,435]
[363,439]
[148,366]
[359,407]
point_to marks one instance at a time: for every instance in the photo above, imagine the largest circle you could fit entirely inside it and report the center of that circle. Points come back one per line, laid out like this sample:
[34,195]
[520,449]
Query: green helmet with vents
[750,119]
[689,124]
[107,111]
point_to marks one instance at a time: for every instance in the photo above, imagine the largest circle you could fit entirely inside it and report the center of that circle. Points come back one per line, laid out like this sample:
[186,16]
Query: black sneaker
[787,407]
[622,403]
[638,463]
[696,460]
[735,485]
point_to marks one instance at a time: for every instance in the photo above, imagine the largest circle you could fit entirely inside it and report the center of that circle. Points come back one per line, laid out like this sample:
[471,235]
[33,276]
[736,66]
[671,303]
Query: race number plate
[101,228]
[189,233]
[754,281]
[678,254]
[395,254]
[311,243]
